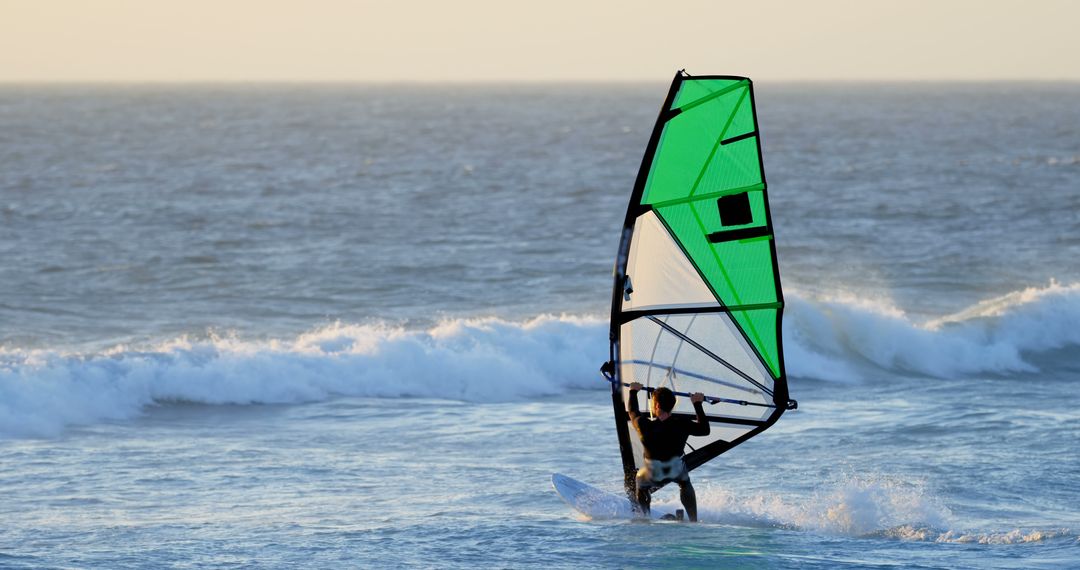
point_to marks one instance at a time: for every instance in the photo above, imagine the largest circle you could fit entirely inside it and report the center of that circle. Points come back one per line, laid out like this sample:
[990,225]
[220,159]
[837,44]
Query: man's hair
[665,398]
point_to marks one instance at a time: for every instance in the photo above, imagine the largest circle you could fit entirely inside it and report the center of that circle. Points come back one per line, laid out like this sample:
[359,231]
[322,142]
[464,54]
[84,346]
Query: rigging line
[682,343]
[709,399]
[652,358]
[710,354]
[695,375]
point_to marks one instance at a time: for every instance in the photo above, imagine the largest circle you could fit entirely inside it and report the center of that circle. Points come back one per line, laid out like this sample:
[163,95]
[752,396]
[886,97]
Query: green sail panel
[707,185]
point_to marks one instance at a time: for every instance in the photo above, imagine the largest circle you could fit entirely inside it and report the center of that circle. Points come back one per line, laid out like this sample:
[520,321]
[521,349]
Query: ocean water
[360,326]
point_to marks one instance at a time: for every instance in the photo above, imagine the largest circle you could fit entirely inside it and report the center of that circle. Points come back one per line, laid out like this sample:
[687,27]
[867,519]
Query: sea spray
[852,505]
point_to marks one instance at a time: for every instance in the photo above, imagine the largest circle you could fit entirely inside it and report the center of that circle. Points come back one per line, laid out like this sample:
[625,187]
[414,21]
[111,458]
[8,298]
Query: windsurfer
[664,436]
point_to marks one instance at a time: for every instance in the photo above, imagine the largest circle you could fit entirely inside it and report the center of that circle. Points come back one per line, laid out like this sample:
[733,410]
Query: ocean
[270,326]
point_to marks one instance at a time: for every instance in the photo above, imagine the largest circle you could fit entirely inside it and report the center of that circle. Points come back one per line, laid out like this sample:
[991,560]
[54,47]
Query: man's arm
[700,425]
[631,409]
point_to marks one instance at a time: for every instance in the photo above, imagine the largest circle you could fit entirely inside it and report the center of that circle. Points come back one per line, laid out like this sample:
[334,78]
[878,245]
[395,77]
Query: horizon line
[507,81]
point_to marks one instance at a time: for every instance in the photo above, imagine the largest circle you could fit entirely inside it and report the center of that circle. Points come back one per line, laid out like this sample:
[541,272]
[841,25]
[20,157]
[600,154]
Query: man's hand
[635,386]
[697,397]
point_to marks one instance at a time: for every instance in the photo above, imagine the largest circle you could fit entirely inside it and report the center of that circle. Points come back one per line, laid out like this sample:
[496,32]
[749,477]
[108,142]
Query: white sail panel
[660,274]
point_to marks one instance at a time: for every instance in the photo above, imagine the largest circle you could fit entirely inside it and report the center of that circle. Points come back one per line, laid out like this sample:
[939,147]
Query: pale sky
[549,40]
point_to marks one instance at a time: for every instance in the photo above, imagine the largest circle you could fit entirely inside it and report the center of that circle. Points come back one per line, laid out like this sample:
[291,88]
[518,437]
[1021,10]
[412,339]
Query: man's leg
[689,499]
[643,485]
[644,497]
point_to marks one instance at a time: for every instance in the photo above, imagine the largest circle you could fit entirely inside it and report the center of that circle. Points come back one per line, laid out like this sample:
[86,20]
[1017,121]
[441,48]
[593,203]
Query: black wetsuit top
[664,440]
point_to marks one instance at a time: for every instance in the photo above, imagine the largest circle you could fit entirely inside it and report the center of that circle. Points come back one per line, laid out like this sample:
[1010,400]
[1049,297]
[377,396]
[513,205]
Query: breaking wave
[836,339]
[839,337]
[474,360]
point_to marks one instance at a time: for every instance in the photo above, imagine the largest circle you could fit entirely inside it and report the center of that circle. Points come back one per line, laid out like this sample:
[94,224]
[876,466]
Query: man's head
[663,401]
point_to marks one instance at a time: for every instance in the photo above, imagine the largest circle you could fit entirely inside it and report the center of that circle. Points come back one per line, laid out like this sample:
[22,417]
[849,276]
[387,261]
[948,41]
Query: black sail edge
[621,419]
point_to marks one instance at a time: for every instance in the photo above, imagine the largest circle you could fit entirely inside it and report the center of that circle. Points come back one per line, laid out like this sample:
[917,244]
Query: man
[664,436]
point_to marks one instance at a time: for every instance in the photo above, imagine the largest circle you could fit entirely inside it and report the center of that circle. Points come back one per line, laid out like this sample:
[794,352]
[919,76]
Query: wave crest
[41,392]
[833,338]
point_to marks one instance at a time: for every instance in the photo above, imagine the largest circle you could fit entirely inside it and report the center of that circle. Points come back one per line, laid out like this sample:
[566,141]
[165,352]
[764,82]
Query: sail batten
[709,196]
[697,304]
[712,95]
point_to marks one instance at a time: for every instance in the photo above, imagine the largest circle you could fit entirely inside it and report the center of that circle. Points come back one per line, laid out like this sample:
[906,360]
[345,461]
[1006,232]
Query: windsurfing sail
[697,304]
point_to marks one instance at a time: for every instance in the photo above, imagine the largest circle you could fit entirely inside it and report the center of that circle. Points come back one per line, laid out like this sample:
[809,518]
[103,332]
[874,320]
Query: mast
[618,291]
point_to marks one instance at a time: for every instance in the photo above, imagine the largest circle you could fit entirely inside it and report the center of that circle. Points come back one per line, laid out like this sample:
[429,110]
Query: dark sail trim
[744,233]
[781,379]
[738,138]
[628,316]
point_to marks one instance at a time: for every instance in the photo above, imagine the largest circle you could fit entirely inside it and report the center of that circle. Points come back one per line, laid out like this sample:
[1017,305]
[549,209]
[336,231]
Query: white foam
[830,338]
[1015,536]
[855,506]
[41,392]
[873,506]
